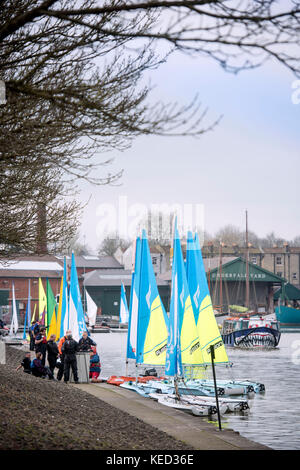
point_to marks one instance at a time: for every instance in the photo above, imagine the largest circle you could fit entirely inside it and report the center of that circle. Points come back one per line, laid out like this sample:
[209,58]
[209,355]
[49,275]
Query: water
[274,419]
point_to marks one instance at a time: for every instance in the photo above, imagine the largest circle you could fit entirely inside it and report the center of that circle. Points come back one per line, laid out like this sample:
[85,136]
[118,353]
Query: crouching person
[95,366]
[37,368]
[26,363]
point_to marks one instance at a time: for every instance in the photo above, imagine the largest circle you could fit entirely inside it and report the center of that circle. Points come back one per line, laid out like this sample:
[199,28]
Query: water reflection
[274,419]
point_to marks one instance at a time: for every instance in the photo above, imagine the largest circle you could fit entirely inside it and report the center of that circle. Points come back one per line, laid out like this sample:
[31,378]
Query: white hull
[183,405]
[226,404]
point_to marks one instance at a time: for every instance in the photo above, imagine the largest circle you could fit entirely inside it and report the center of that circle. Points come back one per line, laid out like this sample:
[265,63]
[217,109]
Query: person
[86,343]
[36,328]
[60,372]
[52,352]
[41,344]
[69,349]
[95,365]
[38,369]
[32,338]
[25,363]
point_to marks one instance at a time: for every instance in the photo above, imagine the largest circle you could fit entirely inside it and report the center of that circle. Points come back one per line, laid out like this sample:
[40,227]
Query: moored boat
[288,309]
[288,316]
[194,407]
[251,332]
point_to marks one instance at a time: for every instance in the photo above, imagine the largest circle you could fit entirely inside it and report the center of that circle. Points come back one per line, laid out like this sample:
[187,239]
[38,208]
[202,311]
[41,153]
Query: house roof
[31,267]
[96,262]
[233,269]
[291,292]
[112,277]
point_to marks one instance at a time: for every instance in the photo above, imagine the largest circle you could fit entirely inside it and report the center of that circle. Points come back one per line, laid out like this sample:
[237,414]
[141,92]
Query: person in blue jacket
[95,365]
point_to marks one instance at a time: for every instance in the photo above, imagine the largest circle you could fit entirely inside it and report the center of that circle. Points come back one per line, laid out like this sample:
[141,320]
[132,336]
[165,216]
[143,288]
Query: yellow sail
[33,319]
[190,345]
[58,320]
[53,325]
[156,337]
[42,300]
[209,333]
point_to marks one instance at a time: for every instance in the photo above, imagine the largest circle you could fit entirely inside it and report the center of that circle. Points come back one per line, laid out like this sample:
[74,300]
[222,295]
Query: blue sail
[133,307]
[124,312]
[195,275]
[152,318]
[183,342]
[208,330]
[76,315]
[64,301]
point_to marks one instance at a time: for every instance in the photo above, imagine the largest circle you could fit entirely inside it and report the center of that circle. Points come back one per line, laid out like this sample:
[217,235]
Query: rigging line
[227,293]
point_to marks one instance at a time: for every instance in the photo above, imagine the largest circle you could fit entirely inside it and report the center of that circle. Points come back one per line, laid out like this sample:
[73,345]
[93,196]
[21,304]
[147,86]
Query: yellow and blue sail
[62,311]
[133,305]
[152,328]
[208,330]
[76,315]
[183,341]
[124,312]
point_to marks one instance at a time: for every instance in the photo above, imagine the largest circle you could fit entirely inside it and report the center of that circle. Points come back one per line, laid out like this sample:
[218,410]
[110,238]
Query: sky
[249,161]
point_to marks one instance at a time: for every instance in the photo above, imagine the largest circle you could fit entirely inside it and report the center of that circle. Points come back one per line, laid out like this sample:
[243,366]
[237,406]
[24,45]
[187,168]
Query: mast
[247,263]
[220,274]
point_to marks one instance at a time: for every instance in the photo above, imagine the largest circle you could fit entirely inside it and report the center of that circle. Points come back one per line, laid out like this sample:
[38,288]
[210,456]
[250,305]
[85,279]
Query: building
[227,283]
[282,261]
[22,269]
[105,289]
[19,271]
[158,254]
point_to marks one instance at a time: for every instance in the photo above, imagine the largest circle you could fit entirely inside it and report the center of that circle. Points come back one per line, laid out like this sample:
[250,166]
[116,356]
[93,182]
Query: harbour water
[274,419]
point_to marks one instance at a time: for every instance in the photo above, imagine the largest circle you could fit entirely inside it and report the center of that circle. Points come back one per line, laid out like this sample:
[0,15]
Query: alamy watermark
[124,220]
[295,356]
[296,94]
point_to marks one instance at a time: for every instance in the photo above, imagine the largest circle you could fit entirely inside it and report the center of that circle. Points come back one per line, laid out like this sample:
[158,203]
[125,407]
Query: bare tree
[239,34]
[34,211]
[111,243]
[74,83]
[75,246]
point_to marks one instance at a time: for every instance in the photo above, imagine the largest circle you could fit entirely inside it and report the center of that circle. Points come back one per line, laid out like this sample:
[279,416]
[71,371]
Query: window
[253,260]
[278,259]
[154,260]
[295,277]
[279,273]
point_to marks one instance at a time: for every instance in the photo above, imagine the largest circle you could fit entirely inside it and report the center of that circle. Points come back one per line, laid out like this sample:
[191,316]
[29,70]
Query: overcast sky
[250,161]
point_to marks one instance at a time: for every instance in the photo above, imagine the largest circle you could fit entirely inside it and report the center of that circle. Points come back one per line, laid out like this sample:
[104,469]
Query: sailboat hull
[191,405]
[288,316]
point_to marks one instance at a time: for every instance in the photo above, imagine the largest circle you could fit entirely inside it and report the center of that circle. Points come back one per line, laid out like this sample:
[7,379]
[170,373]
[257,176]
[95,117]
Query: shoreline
[39,414]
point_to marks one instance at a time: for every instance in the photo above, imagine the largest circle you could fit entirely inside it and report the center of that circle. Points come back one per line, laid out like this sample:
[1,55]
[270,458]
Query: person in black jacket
[86,343]
[26,363]
[52,351]
[41,344]
[69,349]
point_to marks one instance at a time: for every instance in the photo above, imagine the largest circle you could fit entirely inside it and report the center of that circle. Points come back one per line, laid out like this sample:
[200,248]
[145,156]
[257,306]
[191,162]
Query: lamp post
[212,353]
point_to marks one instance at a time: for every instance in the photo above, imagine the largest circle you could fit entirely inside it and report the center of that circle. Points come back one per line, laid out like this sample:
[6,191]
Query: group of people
[61,355]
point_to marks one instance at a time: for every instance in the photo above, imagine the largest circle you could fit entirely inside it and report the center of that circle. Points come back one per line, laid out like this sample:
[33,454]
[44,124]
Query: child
[26,363]
[95,366]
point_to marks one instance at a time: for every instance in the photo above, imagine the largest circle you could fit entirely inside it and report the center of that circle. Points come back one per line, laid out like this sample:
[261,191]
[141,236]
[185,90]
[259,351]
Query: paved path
[194,431]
